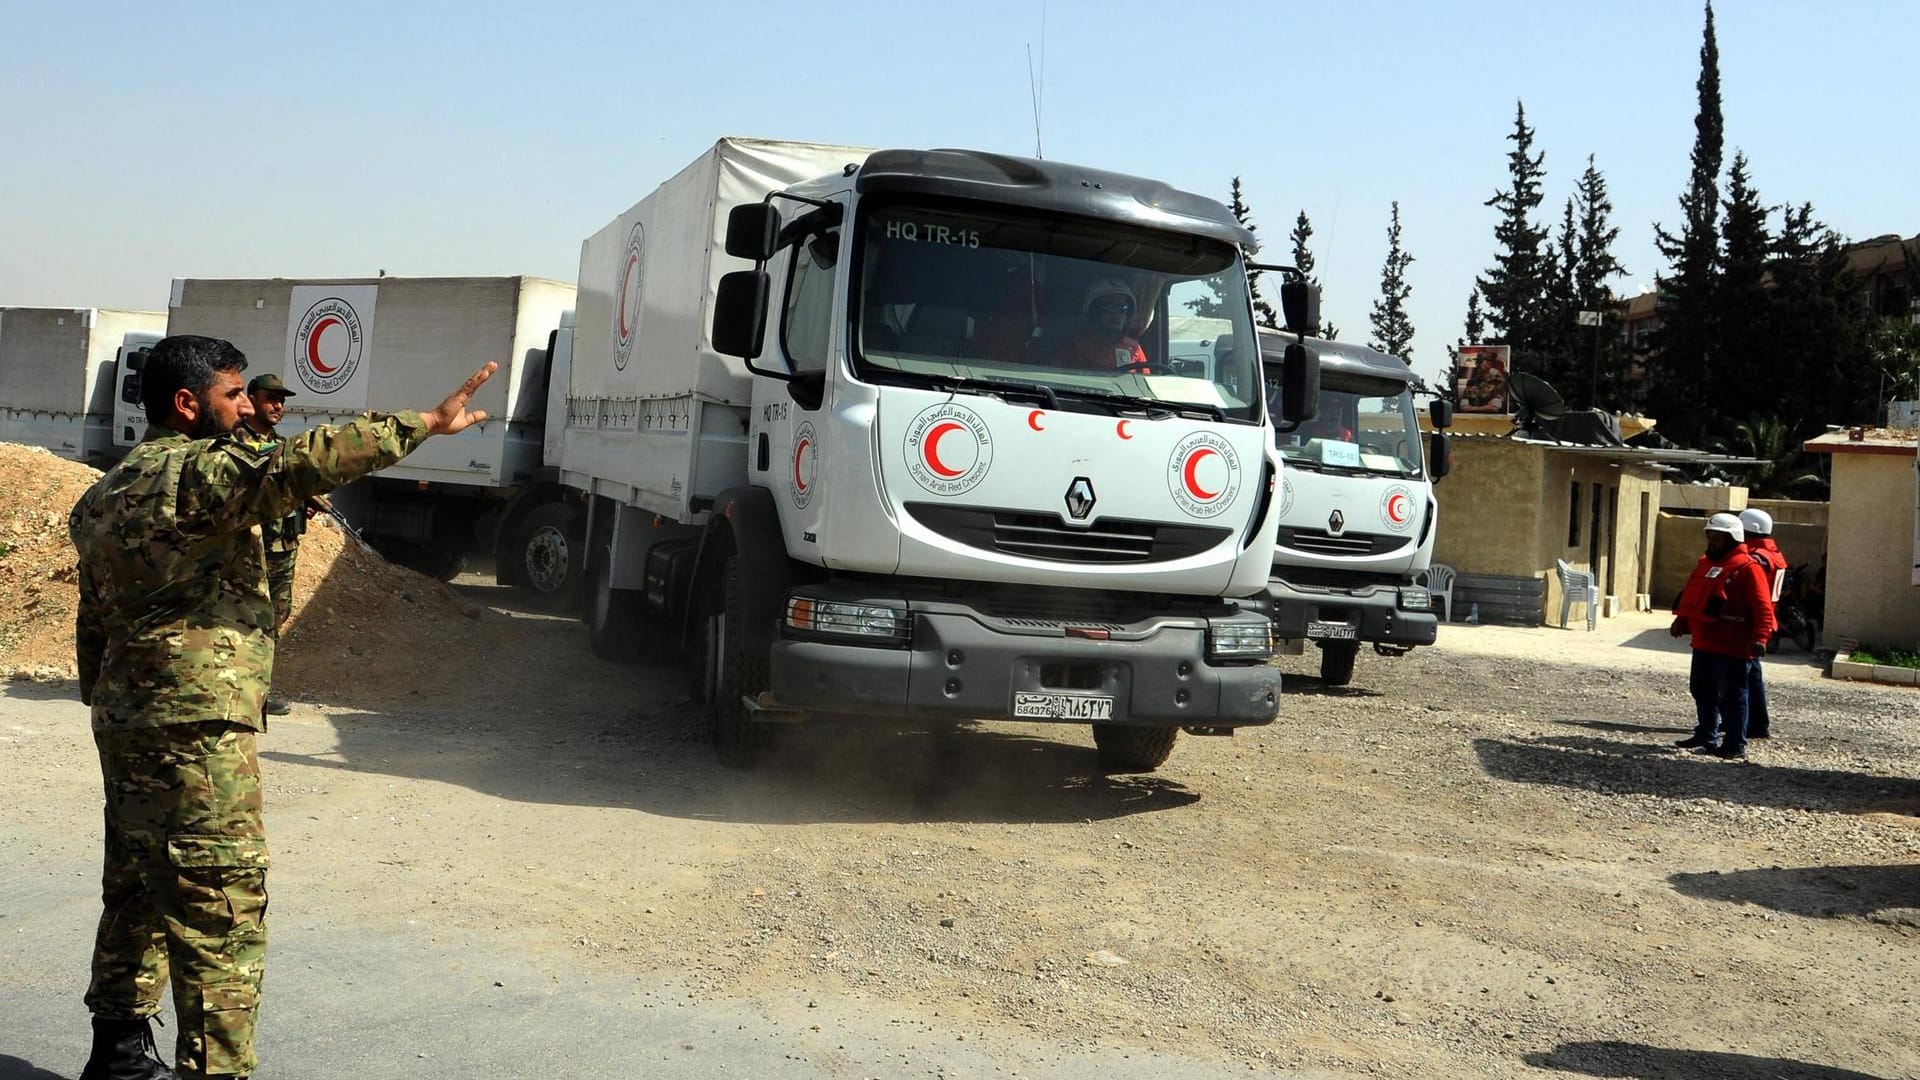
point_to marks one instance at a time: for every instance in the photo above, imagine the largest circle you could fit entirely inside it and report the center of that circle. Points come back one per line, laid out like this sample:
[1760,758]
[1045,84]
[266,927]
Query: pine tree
[1556,359]
[1476,334]
[1817,329]
[1476,320]
[1263,312]
[1683,367]
[1742,306]
[1515,287]
[1392,329]
[1303,262]
[1594,266]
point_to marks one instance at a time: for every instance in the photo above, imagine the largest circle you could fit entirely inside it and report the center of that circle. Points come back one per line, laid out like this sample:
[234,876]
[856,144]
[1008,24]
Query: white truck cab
[1357,512]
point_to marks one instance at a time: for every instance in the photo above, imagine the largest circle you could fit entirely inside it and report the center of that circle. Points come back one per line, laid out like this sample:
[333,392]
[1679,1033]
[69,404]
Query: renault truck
[898,434]
[1357,516]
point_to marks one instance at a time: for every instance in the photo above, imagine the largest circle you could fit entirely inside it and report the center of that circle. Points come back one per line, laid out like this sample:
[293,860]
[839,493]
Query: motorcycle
[1799,611]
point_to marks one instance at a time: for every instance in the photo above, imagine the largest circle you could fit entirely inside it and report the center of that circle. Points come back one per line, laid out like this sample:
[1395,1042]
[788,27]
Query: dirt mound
[362,630]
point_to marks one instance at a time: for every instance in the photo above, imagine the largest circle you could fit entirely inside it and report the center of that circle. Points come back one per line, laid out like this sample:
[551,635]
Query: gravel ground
[1481,860]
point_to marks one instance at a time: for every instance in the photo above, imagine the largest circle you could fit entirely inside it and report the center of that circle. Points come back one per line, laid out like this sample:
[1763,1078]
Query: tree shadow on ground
[1818,892]
[12,1068]
[1634,1061]
[1612,767]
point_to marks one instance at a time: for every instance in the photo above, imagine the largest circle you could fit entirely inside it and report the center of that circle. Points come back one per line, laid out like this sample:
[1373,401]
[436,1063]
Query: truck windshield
[1090,311]
[1363,426]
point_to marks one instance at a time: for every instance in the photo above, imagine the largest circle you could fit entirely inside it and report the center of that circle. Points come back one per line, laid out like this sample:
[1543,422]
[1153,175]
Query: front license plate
[1062,707]
[1337,631]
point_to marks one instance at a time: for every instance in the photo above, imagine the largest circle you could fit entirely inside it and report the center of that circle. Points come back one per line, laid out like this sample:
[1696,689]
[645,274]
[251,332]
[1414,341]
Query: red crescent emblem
[1033,420]
[1397,509]
[930,450]
[800,452]
[1193,482]
[1120,429]
[626,275]
[313,344]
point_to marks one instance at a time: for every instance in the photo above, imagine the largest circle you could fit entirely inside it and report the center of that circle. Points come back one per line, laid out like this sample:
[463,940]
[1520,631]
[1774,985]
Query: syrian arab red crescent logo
[806,455]
[327,345]
[1396,508]
[1203,474]
[949,449]
[626,295]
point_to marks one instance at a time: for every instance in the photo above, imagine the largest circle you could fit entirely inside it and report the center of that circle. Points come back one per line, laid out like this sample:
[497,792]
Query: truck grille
[1351,544]
[1043,536]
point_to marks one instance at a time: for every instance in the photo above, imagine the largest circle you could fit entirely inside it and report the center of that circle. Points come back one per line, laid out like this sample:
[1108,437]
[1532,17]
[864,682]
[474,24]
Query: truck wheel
[1336,662]
[549,555]
[1133,749]
[614,620]
[735,672]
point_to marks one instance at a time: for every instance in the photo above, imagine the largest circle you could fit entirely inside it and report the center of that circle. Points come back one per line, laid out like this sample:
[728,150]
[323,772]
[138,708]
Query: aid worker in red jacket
[1727,608]
[1758,525]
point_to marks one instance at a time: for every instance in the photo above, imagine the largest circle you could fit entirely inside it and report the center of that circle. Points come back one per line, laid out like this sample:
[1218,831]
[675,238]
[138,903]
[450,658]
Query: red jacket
[1728,604]
[1764,547]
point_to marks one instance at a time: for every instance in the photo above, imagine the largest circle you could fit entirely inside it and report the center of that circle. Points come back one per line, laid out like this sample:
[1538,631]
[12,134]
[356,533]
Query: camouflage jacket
[175,624]
[280,536]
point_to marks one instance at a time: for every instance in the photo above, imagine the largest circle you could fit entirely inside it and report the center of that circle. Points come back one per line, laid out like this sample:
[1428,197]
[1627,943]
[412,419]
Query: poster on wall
[1481,386]
[329,328]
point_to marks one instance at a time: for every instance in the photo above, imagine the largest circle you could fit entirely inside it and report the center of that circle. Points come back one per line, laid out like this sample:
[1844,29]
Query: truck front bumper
[962,665]
[1373,612]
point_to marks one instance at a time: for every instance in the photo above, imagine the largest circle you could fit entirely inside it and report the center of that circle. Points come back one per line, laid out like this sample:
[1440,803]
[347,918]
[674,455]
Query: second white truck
[1357,516]
[59,368]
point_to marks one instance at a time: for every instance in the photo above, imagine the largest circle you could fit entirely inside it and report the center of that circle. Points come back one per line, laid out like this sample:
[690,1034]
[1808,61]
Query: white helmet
[1728,524]
[1757,522]
[1104,287]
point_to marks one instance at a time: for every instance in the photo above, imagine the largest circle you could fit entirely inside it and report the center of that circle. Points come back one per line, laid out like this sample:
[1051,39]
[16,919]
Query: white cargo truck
[345,345]
[58,368]
[899,434]
[1357,516]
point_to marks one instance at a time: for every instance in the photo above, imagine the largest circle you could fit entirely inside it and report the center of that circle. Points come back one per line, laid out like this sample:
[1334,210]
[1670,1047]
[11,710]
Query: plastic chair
[1438,578]
[1577,587]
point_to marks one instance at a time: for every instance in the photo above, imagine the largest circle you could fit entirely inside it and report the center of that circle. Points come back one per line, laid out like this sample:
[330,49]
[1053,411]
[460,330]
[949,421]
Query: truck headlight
[877,624]
[1240,640]
[1415,598]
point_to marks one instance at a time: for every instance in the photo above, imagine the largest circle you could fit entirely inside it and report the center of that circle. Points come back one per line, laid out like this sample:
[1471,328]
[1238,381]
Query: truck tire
[1336,661]
[736,673]
[549,555]
[614,616]
[1133,749]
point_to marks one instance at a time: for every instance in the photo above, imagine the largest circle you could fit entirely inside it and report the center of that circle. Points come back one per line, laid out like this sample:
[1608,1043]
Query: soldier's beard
[206,425]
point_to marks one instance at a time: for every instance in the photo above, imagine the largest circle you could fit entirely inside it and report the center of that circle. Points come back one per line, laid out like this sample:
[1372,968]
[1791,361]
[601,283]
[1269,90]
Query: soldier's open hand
[452,416]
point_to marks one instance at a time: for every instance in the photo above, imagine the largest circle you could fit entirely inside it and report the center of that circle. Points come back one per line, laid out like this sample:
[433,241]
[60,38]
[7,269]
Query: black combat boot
[124,1050]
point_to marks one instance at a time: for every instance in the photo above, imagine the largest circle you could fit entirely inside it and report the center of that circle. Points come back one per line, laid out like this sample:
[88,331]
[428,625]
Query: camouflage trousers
[184,889]
[280,587]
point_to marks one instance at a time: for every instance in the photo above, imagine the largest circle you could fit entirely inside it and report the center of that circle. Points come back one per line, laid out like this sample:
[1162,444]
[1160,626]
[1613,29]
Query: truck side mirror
[1300,302]
[740,311]
[753,231]
[1439,454]
[1299,384]
[1440,411]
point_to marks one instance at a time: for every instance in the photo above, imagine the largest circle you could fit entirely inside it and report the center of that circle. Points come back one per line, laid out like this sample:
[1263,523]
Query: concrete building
[1873,539]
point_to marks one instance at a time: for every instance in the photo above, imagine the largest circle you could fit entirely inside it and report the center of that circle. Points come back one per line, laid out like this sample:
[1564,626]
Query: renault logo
[1336,522]
[1080,498]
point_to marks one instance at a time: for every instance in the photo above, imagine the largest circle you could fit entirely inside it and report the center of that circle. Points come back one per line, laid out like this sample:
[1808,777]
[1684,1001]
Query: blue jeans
[1719,688]
[1756,701]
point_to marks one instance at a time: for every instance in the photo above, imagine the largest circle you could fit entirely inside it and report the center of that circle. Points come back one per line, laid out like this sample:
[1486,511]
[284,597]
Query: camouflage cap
[268,384]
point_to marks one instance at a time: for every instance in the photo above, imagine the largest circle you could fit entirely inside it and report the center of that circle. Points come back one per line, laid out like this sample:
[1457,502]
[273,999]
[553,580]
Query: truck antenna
[1034,83]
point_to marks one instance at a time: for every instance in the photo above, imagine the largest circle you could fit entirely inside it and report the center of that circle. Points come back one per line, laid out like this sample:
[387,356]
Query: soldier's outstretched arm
[229,486]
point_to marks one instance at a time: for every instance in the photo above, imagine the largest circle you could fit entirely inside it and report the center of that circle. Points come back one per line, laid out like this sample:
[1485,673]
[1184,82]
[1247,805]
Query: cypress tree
[1303,260]
[1681,369]
[1742,308]
[1263,312]
[1594,265]
[1392,329]
[1515,287]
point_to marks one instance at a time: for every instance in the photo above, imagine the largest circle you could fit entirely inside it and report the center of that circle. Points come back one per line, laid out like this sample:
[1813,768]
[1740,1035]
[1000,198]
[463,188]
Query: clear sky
[145,142]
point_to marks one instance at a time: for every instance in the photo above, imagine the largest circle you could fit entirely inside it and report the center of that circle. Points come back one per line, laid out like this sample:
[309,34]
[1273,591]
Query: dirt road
[1482,860]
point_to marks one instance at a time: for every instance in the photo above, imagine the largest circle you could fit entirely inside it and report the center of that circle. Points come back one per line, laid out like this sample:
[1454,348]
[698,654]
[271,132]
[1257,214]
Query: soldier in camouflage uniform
[175,647]
[279,536]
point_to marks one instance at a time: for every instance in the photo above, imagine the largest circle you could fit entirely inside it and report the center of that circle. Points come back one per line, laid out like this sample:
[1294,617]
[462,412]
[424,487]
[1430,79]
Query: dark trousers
[1719,687]
[1756,701]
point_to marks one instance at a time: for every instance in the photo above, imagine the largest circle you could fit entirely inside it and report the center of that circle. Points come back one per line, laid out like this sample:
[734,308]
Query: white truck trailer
[344,345]
[830,425]
[1357,516]
[58,368]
